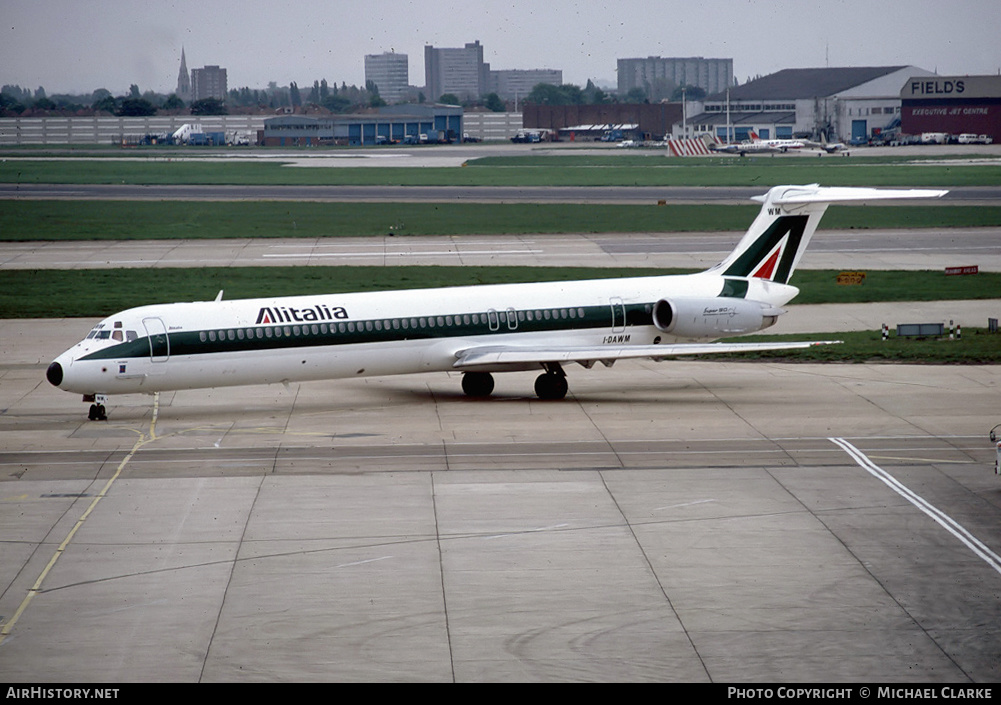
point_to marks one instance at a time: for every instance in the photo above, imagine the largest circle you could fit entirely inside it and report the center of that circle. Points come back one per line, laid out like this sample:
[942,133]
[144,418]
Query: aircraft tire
[477,384]
[551,386]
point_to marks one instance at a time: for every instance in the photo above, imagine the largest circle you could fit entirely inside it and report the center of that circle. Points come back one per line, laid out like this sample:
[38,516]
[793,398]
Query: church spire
[183,80]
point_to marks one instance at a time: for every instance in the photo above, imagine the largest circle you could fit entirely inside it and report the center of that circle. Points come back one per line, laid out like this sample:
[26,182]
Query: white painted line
[384,253]
[526,531]
[943,519]
[370,560]
[684,504]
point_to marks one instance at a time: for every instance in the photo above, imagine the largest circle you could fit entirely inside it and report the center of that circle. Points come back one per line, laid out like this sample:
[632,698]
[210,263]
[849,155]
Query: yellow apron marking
[36,588]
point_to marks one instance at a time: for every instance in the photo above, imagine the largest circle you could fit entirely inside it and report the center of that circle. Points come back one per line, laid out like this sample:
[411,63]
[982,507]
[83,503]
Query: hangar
[397,123]
[651,120]
[839,103]
[954,105]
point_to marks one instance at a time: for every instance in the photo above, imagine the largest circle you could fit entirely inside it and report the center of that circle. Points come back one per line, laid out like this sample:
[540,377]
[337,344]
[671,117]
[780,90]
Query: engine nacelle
[712,318]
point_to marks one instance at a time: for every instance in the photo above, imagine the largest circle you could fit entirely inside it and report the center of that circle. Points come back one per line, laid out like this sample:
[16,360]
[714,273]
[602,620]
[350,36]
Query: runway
[648,195]
[681,521]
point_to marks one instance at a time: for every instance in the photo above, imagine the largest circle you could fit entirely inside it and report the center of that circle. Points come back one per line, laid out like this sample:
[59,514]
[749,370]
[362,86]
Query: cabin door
[618,315]
[159,344]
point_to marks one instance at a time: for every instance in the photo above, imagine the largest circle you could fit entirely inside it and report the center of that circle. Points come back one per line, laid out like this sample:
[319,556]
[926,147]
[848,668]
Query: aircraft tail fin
[773,245]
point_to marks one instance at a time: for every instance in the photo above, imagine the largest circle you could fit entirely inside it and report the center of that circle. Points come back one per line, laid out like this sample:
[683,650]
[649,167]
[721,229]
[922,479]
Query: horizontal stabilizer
[794,195]
[494,355]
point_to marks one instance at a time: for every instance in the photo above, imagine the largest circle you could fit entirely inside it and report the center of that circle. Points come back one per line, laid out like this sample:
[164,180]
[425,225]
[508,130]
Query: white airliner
[478,330]
[758,145]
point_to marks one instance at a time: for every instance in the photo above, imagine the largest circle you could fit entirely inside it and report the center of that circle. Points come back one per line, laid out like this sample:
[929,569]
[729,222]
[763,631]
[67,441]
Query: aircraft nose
[54,374]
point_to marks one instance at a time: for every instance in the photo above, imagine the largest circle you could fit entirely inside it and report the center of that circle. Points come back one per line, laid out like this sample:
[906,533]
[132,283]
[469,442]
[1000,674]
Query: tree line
[15,100]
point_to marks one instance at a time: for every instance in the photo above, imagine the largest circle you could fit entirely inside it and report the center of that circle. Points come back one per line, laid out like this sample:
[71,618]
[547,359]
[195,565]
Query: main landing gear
[550,385]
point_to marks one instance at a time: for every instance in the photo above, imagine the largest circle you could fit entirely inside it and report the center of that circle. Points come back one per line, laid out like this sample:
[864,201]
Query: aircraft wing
[500,355]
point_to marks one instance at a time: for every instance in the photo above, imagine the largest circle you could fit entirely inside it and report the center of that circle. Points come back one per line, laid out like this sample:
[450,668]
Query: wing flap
[499,355]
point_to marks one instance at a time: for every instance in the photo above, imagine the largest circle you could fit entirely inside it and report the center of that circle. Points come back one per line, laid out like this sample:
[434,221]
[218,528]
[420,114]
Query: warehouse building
[397,123]
[955,105]
[646,120]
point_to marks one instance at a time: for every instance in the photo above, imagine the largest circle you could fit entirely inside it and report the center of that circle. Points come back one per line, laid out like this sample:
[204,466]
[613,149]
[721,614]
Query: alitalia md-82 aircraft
[477,330]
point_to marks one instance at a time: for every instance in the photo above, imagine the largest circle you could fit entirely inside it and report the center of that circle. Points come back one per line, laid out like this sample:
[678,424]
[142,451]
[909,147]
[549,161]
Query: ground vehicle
[527,136]
[934,138]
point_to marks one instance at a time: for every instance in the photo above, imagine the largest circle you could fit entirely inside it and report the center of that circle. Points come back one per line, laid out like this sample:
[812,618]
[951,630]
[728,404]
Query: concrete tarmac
[677,521]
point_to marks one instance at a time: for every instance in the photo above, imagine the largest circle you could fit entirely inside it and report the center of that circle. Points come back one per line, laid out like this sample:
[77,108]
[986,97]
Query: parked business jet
[756,145]
[478,330]
[829,147]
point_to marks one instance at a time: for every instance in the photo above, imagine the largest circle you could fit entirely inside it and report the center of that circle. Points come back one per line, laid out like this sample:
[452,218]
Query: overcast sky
[81,45]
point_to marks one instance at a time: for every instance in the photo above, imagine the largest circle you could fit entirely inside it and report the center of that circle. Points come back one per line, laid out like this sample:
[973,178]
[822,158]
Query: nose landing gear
[97,411]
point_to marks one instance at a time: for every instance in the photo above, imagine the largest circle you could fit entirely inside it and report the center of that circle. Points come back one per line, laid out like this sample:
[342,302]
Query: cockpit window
[117,335]
[103,334]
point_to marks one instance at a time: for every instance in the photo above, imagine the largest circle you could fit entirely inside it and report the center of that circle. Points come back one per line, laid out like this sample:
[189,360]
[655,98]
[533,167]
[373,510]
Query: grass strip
[30,220]
[101,292]
[975,346]
[555,171]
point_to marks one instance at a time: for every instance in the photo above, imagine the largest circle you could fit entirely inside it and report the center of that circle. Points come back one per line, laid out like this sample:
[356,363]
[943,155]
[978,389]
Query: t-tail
[774,244]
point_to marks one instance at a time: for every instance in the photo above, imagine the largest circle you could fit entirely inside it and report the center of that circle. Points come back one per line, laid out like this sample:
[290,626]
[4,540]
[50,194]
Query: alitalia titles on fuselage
[288,314]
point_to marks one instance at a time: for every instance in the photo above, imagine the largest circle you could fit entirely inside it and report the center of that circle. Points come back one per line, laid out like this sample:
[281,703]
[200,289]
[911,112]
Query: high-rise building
[659,76]
[512,84]
[183,80]
[208,82]
[457,71]
[390,73]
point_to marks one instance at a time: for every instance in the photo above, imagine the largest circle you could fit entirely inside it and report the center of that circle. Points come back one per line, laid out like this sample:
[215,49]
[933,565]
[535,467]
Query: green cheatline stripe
[299,335]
